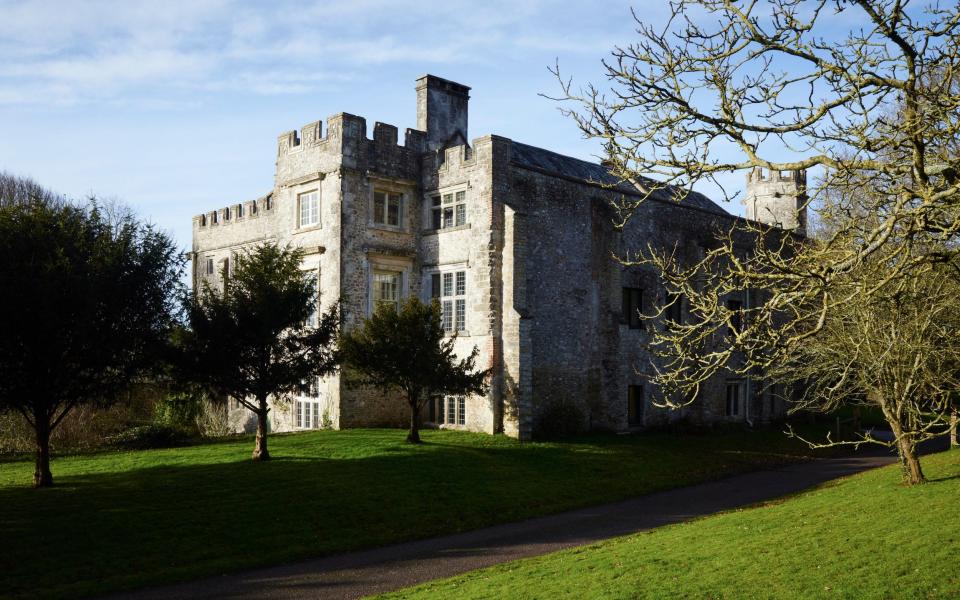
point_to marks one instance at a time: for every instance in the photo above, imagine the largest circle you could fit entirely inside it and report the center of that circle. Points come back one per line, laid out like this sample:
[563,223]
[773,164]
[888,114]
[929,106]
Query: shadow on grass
[123,520]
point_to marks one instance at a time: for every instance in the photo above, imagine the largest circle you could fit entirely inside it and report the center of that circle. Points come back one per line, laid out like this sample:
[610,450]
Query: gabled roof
[566,166]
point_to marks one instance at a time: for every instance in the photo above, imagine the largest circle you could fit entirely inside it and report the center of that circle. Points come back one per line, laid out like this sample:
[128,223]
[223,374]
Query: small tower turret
[777,198]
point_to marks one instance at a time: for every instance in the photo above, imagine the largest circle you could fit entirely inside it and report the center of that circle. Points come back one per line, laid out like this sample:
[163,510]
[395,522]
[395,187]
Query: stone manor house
[515,241]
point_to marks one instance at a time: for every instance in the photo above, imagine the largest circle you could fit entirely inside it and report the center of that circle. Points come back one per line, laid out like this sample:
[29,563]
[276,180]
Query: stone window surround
[402,187]
[385,262]
[426,289]
[303,191]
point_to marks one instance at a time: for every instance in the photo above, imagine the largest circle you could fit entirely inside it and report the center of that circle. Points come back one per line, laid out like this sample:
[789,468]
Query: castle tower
[442,111]
[777,198]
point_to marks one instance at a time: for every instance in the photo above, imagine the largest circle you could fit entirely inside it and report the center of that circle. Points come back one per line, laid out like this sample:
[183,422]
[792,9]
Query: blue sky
[174,107]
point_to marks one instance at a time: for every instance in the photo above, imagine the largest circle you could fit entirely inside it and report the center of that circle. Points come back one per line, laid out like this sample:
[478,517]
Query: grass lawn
[862,537]
[120,520]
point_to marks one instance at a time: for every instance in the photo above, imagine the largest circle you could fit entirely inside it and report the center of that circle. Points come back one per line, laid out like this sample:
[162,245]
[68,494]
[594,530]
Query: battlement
[349,128]
[777,198]
[759,174]
[235,213]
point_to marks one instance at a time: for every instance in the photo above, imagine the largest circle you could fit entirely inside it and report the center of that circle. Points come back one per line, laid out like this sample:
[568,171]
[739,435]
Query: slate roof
[567,166]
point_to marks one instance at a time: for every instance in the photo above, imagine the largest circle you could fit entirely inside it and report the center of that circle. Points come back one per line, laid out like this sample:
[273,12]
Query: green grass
[866,536]
[118,520]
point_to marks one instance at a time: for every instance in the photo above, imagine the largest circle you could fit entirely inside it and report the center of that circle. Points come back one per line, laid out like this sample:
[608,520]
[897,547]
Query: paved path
[392,567]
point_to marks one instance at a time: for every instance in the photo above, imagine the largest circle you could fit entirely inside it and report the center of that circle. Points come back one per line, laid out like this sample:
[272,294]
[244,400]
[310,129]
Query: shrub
[150,436]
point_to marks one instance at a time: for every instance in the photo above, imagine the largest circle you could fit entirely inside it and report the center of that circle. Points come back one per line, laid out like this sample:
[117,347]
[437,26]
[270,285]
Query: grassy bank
[863,537]
[118,520]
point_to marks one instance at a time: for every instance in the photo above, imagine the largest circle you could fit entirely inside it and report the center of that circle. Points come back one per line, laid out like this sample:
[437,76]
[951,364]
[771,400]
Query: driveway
[392,567]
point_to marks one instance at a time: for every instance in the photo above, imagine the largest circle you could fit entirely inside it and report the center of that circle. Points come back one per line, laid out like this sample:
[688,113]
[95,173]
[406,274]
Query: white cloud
[67,52]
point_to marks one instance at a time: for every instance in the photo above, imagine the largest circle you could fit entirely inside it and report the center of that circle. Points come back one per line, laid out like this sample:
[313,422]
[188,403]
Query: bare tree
[728,86]
[23,190]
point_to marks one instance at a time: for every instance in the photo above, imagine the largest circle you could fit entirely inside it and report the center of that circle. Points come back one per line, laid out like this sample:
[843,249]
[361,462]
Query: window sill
[307,229]
[445,230]
[383,227]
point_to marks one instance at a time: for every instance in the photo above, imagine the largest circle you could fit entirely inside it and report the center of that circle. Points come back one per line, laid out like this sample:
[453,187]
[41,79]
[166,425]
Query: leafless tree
[21,190]
[727,86]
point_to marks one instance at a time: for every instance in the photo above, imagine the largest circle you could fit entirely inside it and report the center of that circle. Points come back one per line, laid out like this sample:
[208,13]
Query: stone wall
[581,353]
[543,295]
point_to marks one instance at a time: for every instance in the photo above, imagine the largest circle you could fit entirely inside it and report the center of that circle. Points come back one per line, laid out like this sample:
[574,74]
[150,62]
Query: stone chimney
[442,111]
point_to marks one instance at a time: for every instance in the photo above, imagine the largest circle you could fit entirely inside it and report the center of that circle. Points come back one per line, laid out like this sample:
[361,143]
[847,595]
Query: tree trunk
[954,434]
[42,476]
[909,460]
[260,451]
[414,436]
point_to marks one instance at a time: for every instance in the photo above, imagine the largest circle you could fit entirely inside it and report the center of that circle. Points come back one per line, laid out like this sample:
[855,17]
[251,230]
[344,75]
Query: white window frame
[307,406]
[449,208]
[450,411]
[452,295]
[386,196]
[376,289]
[308,215]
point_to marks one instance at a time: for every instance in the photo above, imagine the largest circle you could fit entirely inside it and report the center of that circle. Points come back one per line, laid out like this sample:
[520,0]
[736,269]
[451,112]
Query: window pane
[447,284]
[386,287]
[634,405]
[448,217]
[436,223]
[451,411]
[316,416]
[447,316]
[435,200]
[311,277]
[461,320]
[309,208]
[461,214]
[393,210]
[447,198]
[460,196]
[435,285]
[299,409]
[378,209]
[461,283]
[461,405]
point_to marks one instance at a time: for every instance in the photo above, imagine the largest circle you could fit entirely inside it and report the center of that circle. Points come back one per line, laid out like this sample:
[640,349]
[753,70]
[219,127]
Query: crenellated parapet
[345,142]
[777,198]
[235,213]
[794,176]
